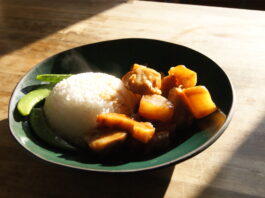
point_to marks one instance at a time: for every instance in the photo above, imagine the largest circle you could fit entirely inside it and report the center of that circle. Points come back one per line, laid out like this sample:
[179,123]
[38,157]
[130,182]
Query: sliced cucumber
[53,78]
[28,101]
[41,128]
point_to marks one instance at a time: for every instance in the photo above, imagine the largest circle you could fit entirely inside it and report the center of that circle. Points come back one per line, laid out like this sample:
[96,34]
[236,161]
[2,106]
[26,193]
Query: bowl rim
[189,155]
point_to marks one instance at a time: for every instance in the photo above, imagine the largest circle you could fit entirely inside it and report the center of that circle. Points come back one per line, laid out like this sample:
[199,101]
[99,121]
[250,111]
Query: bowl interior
[115,57]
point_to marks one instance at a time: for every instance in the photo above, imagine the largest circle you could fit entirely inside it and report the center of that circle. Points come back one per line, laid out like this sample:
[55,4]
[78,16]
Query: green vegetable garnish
[41,128]
[53,78]
[28,101]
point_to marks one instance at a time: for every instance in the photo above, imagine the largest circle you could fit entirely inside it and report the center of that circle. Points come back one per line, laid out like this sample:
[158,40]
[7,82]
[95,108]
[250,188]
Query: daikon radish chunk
[142,131]
[184,76]
[182,115]
[156,107]
[115,120]
[160,142]
[168,82]
[106,141]
[199,101]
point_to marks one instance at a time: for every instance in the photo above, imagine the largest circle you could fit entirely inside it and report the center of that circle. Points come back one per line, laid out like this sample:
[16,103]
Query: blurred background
[244,4]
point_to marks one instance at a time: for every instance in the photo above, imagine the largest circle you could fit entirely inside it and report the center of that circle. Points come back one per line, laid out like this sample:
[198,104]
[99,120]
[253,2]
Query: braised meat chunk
[142,80]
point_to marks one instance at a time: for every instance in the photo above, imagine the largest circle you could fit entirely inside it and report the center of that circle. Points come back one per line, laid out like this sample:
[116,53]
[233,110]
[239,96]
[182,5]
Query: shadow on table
[33,177]
[24,22]
[244,173]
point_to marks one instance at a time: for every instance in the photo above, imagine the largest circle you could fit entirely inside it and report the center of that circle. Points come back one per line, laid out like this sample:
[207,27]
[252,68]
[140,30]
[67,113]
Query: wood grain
[234,166]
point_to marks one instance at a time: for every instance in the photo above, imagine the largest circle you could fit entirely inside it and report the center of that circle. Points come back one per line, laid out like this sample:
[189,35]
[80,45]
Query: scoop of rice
[74,103]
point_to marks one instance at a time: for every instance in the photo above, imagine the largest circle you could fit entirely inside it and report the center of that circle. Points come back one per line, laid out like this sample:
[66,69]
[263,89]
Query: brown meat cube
[142,80]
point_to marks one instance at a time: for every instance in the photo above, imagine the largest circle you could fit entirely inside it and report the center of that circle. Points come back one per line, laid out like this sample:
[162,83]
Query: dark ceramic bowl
[115,57]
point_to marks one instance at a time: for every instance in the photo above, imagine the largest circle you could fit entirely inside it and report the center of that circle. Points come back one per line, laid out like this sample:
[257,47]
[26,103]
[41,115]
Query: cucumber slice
[41,128]
[53,78]
[28,101]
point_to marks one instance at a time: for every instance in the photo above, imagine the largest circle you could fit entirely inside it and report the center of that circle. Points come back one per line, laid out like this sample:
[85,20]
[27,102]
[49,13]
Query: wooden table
[234,166]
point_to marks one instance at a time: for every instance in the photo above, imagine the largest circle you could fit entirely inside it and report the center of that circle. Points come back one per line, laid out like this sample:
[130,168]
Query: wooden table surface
[234,166]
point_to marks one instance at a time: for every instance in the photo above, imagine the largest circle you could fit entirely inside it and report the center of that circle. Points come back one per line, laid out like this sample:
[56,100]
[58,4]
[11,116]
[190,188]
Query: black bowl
[116,57]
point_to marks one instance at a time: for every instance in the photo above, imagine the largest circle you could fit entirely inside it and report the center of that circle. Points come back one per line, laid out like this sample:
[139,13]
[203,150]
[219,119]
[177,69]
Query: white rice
[73,104]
